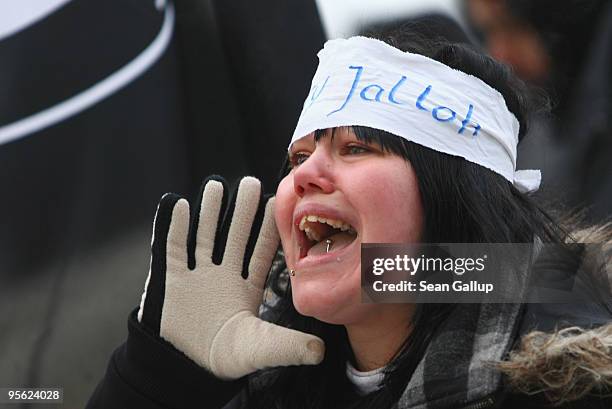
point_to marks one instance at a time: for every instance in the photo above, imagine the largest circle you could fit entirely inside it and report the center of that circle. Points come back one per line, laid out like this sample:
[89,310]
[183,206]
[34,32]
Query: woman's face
[350,192]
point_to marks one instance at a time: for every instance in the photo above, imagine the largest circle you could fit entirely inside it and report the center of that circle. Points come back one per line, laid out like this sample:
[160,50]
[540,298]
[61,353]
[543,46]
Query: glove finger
[153,296]
[265,248]
[176,246]
[208,221]
[247,203]
[256,344]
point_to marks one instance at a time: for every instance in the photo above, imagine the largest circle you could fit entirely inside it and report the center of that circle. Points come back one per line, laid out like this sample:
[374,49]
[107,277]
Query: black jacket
[146,372]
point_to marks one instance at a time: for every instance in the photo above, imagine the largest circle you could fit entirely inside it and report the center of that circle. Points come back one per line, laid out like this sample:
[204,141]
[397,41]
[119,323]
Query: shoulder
[564,366]
[569,361]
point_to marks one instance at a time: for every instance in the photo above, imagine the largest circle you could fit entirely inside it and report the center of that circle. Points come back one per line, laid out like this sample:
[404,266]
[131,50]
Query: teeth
[311,234]
[336,224]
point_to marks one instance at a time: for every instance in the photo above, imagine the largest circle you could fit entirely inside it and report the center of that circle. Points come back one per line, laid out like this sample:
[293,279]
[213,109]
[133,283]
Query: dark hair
[462,202]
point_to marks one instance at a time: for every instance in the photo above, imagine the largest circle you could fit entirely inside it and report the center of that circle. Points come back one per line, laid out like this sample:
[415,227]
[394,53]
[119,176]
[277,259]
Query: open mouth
[321,235]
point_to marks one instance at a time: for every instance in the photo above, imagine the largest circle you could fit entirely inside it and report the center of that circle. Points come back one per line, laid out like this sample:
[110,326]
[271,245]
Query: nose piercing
[329,243]
[292,273]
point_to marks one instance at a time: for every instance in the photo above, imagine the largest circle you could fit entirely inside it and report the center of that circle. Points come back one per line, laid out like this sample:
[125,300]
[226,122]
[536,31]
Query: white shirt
[365,382]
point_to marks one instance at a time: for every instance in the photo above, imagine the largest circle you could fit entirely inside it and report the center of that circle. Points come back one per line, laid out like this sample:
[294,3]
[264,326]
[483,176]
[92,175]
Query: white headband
[365,82]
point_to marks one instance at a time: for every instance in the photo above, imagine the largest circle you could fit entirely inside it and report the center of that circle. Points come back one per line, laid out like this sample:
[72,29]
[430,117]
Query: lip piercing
[329,243]
[292,273]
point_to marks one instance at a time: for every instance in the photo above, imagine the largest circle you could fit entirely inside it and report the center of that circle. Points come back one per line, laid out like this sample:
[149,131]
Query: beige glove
[206,283]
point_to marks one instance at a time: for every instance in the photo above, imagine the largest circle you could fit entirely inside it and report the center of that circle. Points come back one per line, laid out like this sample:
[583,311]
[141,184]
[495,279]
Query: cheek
[393,210]
[283,209]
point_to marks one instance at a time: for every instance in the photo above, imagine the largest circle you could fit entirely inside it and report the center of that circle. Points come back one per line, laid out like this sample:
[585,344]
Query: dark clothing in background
[573,146]
[589,122]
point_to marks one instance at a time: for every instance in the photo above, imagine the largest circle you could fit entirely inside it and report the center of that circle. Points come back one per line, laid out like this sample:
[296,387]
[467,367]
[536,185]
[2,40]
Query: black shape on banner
[222,96]
[98,167]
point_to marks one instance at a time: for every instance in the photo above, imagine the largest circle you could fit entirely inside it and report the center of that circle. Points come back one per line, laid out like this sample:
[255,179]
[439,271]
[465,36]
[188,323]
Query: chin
[327,306]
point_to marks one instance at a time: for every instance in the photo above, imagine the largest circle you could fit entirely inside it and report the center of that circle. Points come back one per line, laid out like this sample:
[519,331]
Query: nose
[315,174]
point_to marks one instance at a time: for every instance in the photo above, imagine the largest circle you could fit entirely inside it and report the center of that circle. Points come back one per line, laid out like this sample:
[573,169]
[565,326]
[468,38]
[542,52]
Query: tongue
[339,241]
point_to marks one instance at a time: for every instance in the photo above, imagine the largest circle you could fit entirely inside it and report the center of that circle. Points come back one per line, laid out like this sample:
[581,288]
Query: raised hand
[206,283]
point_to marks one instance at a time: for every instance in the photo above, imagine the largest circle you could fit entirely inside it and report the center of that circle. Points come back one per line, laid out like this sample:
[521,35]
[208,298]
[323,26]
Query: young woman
[404,141]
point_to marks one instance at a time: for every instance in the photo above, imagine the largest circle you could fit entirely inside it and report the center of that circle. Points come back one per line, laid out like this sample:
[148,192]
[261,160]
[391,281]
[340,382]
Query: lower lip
[320,259]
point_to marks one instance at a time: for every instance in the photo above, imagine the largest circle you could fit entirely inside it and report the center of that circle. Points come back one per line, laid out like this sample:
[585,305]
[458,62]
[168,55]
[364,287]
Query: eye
[296,159]
[355,149]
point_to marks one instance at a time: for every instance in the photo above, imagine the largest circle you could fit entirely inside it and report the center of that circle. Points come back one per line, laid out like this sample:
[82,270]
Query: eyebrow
[318,134]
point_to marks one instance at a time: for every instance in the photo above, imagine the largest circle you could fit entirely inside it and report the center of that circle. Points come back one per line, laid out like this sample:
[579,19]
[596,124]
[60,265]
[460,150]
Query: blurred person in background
[564,47]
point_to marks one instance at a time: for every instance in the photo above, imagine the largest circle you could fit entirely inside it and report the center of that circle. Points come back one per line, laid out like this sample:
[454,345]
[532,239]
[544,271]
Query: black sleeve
[146,372]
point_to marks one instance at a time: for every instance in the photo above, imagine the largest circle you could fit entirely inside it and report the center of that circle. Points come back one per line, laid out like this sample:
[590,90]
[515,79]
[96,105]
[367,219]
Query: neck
[377,340]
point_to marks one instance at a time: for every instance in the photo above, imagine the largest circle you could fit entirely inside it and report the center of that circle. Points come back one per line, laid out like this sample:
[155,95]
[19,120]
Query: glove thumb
[246,344]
